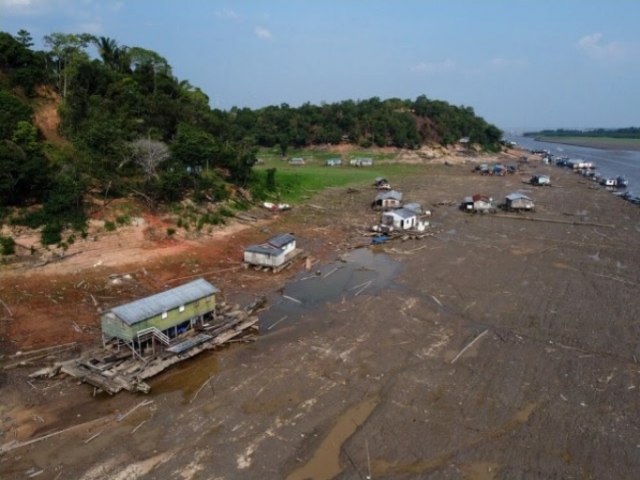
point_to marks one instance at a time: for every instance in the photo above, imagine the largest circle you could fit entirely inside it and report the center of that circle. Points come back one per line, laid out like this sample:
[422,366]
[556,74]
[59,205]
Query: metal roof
[402,213]
[414,207]
[274,246]
[144,308]
[265,249]
[281,240]
[390,194]
[517,196]
[482,197]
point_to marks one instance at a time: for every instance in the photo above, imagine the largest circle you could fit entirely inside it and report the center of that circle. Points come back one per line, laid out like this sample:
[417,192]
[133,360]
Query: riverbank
[595,142]
[499,348]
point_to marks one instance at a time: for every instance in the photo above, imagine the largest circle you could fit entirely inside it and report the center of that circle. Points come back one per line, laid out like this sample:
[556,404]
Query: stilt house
[273,253]
[161,319]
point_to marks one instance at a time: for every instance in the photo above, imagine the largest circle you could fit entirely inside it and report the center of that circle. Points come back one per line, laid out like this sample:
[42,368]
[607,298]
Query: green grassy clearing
[295,183]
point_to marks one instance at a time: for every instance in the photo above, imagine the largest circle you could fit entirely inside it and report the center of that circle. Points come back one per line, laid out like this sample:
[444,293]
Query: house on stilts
[163,321]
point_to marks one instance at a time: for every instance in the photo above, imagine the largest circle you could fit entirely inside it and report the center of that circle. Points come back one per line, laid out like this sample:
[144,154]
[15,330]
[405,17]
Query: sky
[520,64]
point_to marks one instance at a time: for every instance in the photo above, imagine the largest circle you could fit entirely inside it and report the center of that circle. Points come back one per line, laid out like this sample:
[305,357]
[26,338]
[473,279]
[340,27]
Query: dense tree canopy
[135,129]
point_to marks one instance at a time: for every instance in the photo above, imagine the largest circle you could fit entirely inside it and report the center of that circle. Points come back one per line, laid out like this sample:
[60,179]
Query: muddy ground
[499,347]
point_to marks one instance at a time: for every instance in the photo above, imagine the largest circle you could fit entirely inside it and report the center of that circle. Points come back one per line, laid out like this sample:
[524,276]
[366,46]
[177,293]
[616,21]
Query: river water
[610,163]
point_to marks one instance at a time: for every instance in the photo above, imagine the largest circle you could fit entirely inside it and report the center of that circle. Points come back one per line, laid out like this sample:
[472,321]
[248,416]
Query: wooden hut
[160,319]
[519,202]
[387,200]
[274,253]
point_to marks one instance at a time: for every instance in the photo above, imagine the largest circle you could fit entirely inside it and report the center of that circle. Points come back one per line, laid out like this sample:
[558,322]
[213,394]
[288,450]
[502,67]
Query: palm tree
[113,56]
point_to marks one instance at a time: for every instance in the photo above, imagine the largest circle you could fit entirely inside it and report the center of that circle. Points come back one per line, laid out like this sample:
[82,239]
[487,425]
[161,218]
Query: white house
[273,253]
[404,219]
[517,201]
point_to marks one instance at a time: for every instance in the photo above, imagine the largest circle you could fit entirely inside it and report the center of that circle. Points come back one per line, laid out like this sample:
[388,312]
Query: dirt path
[499,349]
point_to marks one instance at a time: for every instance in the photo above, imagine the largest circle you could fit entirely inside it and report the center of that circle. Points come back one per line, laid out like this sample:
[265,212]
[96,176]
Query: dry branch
[461,352]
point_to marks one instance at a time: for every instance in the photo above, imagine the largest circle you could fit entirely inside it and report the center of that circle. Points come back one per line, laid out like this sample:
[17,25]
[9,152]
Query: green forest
[129,128]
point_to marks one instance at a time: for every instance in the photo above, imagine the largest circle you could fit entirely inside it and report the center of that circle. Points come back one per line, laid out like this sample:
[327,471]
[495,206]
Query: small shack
[403,219]
[296,161]
[161,318]
[275,253]
[381,183]
[361,162]
[477,203]
[518,202]
[387,200]
[540,180]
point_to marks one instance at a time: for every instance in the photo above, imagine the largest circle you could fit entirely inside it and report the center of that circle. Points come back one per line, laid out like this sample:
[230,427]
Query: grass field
[295,183]
[597,142]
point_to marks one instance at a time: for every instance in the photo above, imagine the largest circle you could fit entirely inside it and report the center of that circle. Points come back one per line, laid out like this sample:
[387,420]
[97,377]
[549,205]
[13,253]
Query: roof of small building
[414,207]
[265,249]
[403,213]
[481,197]
[144,308]
[273,246]
[393,194]
[517,196]
[281,240]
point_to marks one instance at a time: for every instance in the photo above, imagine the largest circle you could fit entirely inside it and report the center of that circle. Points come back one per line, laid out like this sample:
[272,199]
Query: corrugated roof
[144,308]
[390,194]
[265,249]
[480,196]
[414,207]
[402,213]
[517,196]
[281,240]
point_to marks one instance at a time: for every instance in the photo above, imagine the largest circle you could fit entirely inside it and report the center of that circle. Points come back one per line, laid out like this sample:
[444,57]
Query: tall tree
[24,38]
[68,50]
[113,56]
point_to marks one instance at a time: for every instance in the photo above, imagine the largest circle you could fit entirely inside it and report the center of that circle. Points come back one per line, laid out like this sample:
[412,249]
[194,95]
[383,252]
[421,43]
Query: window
[164,315]
[181,309]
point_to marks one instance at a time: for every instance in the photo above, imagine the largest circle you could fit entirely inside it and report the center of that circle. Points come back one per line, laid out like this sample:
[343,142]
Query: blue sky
[518,63]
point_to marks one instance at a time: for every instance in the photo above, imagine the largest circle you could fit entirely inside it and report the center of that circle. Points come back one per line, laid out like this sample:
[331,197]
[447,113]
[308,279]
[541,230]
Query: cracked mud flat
[499,348]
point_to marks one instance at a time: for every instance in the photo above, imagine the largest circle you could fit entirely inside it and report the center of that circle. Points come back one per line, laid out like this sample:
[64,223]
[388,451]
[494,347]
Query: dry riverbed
[500,347]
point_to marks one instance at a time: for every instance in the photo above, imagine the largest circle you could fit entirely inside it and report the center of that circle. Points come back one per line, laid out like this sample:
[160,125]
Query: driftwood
[7,447]
[276,323]
[7,308]
[469,345]
[207,381]
[144,403]
[138,427]
[92,437]
[291,298]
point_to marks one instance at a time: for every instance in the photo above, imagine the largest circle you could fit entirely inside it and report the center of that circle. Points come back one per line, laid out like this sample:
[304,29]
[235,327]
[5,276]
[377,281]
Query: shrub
[123,219]
[51,234]
[171,231]
[7,246]
[109,226]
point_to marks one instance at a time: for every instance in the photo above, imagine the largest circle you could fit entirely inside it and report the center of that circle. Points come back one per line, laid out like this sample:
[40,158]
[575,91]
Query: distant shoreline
[595,142]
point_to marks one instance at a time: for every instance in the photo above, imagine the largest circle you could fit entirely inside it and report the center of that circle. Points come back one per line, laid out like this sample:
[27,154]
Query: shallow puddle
[325,462]
[360,272]
[188,377]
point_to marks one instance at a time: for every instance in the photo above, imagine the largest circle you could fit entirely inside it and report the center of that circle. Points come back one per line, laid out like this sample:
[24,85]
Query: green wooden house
[161,319]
